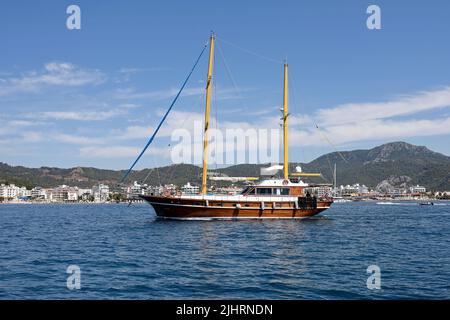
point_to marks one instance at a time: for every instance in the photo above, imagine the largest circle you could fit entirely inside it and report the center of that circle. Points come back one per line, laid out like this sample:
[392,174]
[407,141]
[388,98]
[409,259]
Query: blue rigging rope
[165,116]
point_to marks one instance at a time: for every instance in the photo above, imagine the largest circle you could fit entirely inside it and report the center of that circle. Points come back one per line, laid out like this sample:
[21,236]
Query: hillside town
[102,193]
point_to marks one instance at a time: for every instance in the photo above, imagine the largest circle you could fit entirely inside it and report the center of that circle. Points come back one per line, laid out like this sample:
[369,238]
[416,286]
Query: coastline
[68,203]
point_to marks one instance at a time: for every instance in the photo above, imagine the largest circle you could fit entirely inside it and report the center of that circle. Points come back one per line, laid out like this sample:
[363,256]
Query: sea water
[125,252]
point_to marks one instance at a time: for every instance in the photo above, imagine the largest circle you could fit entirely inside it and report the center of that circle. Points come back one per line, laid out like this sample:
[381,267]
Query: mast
[207,112]
[285,124]
[334,176]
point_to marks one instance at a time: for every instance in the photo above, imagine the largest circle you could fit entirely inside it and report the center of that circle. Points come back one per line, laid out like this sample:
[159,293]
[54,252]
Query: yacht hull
[179,208]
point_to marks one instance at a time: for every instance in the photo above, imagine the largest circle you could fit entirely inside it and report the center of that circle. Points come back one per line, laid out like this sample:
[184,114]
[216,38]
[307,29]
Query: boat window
[281,191]
[264,191]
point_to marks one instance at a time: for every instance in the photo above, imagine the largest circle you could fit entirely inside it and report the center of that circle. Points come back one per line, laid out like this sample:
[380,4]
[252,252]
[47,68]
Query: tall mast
[285,124]
[334,178]
[207,112]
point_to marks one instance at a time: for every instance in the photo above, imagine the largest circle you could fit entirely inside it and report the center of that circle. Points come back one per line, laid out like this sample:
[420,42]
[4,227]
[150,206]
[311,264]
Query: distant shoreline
[71,203]
[143,202]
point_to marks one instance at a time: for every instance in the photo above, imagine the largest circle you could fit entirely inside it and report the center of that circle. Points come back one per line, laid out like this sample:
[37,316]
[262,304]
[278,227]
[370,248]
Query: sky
[93,96]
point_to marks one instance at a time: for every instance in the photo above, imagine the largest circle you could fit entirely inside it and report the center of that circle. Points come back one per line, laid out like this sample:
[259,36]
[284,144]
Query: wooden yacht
[285,198]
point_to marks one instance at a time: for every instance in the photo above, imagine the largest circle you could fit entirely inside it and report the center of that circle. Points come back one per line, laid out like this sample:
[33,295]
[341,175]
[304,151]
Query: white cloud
[53,74]
[221,93]
[175,120]
[112,152]
[79,140]
[406,105]
[370,130]
[14,127]
[32,136]
[129,93]
[135,132]
[79,115]
[109,152]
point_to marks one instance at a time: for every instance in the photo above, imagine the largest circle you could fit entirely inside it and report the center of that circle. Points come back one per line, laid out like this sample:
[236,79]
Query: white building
[396,192]
[155,190]
[319,191]
[101,193]
[62,193]
[82,192]
[417,189]
[72,194]
[190,189]
[355,189]
[13,192]
[38,193]
[136,189]
[48,194]
[8,191]
[24,193]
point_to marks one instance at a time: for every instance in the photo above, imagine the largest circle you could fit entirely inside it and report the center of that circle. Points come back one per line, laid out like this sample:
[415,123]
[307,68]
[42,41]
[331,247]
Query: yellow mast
[207,112]
[285,124]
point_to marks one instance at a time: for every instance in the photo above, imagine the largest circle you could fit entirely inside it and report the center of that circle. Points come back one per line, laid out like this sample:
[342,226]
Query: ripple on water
[125,252]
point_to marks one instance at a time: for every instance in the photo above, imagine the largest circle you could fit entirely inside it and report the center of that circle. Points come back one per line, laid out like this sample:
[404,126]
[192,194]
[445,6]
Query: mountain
[417,164]
[396,163]
[86,177]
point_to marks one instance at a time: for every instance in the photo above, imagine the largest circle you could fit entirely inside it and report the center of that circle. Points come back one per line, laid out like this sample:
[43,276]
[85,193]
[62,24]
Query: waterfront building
[38,193]
[100,192]
[154,190]
[82,192]
[190,189]
[8,191]
[13,192]
[136,189]
[63,193]
[417,189]
[398,192]
[320,191]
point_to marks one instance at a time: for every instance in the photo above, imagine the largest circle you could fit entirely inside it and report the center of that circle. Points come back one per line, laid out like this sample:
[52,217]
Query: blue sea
[125,252]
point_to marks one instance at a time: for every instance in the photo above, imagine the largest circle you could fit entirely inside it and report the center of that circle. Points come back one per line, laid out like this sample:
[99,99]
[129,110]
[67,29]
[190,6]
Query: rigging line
[249,51]
[331,143]
[292,87]
[171,169]
[150,172]
[215,124]
[159,176]
[216,107]
[317,126]
[157,172]
[165,115]
[329,164]
[230,75]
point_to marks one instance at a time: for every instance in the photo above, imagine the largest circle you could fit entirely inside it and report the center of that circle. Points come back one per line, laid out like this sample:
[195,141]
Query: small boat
[428,203]
[288,197]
